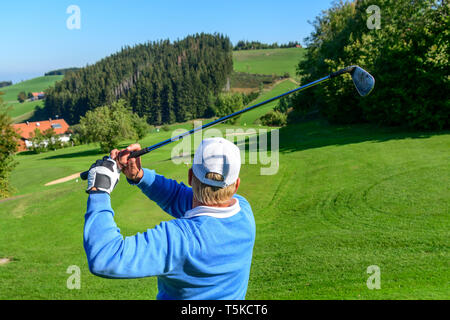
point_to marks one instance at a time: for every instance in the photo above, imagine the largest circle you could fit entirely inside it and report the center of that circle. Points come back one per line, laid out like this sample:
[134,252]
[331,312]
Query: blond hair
[209,195]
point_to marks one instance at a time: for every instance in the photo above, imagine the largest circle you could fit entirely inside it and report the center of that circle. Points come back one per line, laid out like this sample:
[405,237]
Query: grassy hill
[22,111]
[33,85]
[268,61]
[281,87]
[344,198]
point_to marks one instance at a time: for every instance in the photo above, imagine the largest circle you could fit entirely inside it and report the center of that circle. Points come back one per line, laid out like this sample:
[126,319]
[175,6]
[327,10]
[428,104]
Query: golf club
[363,81]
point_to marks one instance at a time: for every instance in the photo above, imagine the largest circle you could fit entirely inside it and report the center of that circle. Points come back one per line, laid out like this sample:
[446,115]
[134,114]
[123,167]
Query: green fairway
[268,61]
[344,198]
[250,117]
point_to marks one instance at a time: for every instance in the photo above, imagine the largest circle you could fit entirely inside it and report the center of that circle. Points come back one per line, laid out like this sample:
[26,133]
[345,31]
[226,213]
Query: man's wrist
[94,190]
[136,179]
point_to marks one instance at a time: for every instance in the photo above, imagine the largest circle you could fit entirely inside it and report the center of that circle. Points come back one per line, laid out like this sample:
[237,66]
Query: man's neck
[229,203]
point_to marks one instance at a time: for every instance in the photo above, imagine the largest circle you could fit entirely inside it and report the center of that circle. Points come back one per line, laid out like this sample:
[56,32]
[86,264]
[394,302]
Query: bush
[108,125]
[22,97]
[37,141]
[274,119]
[408,56]
[8,146]
[140,125]
[227,103]
[249,97]
[283,105]
[165,127]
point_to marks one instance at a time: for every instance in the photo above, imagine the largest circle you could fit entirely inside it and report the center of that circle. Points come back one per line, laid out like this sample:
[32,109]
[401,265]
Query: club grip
[138,153]
[134,154]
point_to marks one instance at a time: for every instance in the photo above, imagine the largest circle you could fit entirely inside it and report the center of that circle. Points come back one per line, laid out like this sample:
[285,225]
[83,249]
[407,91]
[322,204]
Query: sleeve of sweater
[173,197]
[154,252]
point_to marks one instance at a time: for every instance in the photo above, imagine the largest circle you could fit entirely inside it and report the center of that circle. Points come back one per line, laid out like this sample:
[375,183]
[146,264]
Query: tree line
[8,146]
[5,83]
[163,81]
[60,71]
[254,45]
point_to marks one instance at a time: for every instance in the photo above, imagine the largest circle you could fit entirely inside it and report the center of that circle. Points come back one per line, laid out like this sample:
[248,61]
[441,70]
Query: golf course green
[344,198]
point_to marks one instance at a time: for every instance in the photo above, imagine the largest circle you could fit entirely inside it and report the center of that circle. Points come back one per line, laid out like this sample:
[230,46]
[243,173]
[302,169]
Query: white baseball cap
[220,156]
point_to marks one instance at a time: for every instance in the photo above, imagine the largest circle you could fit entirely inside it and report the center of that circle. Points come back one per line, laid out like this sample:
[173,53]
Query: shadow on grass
[319,133]
[26,153]
[87,153]
[311,134]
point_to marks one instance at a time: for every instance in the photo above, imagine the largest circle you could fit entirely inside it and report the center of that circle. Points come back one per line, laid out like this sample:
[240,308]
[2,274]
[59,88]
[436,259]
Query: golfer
[204,253]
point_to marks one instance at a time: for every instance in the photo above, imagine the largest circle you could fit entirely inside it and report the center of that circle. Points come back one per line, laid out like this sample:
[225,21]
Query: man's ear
[238,182]
[190,173]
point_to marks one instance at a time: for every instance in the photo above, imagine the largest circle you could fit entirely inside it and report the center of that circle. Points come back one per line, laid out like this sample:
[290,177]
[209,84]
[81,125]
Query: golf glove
[103,175]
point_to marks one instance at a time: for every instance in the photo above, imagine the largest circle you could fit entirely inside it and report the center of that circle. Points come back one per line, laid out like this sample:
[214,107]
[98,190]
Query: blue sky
[35,39]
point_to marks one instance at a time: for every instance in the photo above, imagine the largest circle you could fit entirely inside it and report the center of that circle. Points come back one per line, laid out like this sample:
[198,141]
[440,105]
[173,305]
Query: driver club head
[364,81]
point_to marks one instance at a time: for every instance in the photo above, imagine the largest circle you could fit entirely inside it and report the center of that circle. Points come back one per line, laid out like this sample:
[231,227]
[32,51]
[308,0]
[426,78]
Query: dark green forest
[162,80]
[408,55]
[60,71]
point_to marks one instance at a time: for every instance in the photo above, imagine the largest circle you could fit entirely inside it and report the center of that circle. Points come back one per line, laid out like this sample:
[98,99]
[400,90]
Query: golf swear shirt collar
[216,212]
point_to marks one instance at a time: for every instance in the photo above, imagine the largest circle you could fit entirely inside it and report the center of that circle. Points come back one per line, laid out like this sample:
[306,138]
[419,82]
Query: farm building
[37,96]
[26,131]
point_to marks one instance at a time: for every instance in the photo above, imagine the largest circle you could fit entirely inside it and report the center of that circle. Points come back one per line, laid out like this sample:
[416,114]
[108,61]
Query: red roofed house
[26,131]
[37,95]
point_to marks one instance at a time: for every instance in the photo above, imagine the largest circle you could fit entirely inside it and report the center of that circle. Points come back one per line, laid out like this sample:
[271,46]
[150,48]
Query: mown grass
[24,111]
[268,61]
[344,198]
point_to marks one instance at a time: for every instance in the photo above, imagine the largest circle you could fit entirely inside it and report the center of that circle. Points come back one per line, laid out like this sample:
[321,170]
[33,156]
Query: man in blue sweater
[204,253]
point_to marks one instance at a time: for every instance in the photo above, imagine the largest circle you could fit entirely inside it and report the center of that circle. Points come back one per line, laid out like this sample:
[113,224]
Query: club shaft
[225,118]
[143,151]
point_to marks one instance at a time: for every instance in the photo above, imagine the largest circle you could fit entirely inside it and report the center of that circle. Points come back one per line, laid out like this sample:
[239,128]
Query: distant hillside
[268,61]
[60,71]
[165,81]
[33,85]
[255,45]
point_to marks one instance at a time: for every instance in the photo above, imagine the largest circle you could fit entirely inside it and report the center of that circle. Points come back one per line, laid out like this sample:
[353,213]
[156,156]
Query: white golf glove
[103,175]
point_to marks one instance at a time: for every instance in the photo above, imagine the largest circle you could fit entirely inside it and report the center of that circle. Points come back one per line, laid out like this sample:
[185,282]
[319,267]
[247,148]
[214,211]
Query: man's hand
[103,175]
[131,167]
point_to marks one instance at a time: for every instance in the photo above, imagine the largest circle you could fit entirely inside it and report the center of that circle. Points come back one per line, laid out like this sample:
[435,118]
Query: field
[21,111]
[281,87]
[268,61]
[344,198]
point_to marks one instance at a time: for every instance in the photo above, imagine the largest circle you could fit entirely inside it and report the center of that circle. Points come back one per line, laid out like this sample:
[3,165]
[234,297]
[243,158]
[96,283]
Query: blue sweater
[205,253]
